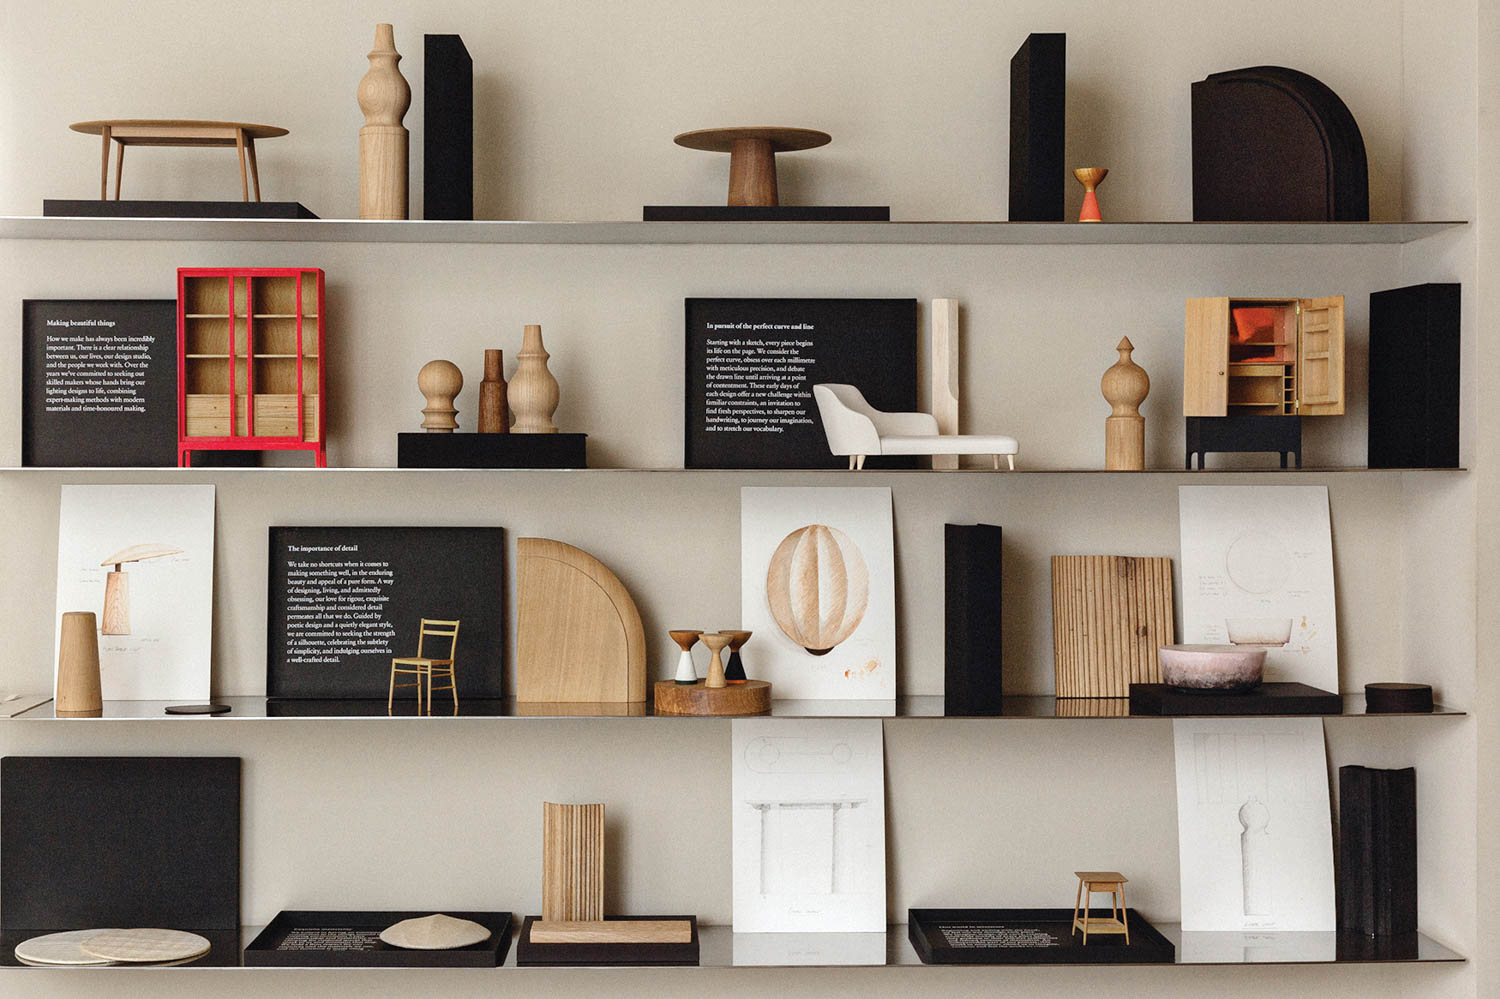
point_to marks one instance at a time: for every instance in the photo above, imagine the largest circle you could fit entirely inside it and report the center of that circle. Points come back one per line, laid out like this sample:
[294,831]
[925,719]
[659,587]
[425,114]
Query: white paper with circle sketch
[1254,834]
[142,559]
[809,825]
[1257,571]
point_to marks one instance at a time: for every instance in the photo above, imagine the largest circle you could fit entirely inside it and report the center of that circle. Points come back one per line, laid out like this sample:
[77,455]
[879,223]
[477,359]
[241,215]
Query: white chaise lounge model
[857,429]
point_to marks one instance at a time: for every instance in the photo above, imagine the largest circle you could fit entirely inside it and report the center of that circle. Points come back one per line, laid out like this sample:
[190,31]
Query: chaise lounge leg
[860,464]
[1012,460]
[851,463]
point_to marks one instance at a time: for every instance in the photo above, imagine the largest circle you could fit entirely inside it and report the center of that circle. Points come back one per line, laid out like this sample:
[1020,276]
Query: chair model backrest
[848,421]
[438,629]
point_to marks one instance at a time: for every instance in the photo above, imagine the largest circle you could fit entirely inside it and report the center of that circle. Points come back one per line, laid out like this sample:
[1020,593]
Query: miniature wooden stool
[1111,883]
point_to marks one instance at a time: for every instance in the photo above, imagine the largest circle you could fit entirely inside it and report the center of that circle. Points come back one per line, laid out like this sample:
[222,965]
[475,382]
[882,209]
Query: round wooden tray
[753,697]
[782,140]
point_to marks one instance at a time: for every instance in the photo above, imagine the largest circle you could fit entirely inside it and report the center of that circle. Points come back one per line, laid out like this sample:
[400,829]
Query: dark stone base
[425,450]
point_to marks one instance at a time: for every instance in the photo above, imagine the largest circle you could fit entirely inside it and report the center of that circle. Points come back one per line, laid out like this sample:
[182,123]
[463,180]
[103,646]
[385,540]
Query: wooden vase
[715,645]
[685,639]
[533,391]
[1125,386]
[384,96]
[439,381]
[78,691]
[1090,178]
[492,394]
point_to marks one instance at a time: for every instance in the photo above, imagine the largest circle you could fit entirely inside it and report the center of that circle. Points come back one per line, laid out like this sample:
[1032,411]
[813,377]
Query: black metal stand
[1282,434]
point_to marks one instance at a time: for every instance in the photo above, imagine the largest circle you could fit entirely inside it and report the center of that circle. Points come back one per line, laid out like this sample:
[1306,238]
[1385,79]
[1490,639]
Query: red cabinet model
[250,353]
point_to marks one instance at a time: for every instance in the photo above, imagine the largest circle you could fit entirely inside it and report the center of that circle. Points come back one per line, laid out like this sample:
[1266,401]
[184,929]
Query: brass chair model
[423,666]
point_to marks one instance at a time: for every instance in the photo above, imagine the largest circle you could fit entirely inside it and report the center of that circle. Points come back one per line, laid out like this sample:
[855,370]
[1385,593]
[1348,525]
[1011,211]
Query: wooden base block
[753,697]
[597,931]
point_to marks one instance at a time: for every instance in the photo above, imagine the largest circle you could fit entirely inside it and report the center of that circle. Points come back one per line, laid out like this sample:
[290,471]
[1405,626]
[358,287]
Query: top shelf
[521,232]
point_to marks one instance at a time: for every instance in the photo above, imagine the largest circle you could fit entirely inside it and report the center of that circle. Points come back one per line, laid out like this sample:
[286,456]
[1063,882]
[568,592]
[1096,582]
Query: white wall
[576,106]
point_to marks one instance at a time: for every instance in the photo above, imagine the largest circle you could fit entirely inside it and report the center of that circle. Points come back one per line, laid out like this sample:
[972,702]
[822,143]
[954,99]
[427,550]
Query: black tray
[529,954]
[1267,699]
[265,950]
[925,928]
[466,450]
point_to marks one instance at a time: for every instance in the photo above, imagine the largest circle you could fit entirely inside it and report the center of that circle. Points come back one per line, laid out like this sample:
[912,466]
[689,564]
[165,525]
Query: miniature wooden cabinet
[1264,357]
[250,356]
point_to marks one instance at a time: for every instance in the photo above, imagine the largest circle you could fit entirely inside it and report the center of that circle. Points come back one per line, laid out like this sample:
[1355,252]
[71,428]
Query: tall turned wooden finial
[533,391]
[1125,386]
[492,394]
[384,96]
[715,645]
[1090,178]
[439,381]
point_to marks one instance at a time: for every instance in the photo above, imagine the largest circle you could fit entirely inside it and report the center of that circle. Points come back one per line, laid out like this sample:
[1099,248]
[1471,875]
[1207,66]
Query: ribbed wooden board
[572,862]
[1110,613]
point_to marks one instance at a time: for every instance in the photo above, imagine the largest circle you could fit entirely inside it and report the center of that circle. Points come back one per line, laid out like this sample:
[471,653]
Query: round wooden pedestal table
[753,697]
[752,156]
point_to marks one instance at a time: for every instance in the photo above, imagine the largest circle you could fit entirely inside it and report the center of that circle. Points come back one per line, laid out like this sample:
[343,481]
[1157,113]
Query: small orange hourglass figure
[1090,178]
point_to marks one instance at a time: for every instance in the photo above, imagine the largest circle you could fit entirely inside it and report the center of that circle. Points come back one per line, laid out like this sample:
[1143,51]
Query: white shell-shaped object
[146,945]
[435,932]
[818,587]
[60,949]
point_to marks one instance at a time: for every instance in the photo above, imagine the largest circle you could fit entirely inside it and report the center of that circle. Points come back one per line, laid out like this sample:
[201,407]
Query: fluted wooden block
[1110,613]
[78,691]
[572,862]
[384,96]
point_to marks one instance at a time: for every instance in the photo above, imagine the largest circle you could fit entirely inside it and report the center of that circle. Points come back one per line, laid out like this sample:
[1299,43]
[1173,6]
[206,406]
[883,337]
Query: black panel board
[971,614]
[119,841]
[1377,893]
[1038,119]
[763,355]
[447,129]
[1414,376]
[99,382]
[444,573]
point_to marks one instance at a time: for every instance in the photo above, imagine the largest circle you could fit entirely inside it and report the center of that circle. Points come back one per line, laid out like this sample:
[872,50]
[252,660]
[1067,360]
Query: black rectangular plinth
[1377,894]
[971,617]
[652,955]
[1029,936]
[1414,373]
[176,209]
[1281,434]
[1267,699]
[448,129]
[272,949]
[1038,116]
[766,213]
[492,451]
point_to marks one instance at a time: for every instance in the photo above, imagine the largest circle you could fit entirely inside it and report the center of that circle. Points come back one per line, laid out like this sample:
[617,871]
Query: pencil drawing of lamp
[818,587]
[116,617]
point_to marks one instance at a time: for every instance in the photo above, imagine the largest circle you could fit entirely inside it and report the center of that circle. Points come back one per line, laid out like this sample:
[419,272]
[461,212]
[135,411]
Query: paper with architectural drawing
[809,826]
[1257,571]
[1255,839]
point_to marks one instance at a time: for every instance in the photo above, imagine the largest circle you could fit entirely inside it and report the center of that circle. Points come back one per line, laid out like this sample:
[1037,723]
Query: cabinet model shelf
[984,233]
[250,366]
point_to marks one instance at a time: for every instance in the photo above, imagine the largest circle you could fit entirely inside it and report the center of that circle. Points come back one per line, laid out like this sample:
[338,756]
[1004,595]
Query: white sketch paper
[1257,571]
[818,589]
[809,826]
[1254,832]
[141,558]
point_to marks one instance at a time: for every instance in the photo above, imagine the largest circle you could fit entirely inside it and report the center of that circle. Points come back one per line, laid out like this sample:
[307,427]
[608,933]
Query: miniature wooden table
[752,156]
[1111,883]
[177,132]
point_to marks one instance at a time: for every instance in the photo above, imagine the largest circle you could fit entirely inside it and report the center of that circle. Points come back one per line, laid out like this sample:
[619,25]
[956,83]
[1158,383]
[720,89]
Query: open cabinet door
[1320,357]
[1205,358]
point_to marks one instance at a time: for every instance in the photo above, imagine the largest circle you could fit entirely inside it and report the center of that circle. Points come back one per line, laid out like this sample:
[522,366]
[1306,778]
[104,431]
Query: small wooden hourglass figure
[686,671]
[715,645]
[1090,178]
[734,670]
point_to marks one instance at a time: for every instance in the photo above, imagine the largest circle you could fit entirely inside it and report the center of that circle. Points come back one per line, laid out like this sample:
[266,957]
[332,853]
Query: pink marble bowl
[1227,669]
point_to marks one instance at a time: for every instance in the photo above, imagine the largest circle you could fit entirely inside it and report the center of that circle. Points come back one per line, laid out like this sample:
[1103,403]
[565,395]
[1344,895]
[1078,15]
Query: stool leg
[1124,917]
[119,169]
[254,171]
[239,144]
[453,682]
[1088,904]
[104,167]
[390,697]
[1076,903]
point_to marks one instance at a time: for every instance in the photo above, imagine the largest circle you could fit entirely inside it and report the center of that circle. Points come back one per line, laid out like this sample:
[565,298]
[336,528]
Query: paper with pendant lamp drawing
[141,557]
[817,580]
[809,827]
[1257,572]
[1255,838]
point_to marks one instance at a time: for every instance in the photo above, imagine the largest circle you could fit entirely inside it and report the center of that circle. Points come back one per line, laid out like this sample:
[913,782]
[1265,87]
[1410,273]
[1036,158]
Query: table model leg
[254,172]
[119,168]
[1124,917]
[239,144]
[1078,901]
[752,172]
[104,168]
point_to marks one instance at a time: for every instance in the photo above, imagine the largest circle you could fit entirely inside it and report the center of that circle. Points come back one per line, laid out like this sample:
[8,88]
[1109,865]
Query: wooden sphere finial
[439,381]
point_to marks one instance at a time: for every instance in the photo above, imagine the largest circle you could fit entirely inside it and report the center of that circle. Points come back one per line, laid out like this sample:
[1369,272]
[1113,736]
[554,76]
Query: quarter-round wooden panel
[783,140]
[251,131]
[753,697]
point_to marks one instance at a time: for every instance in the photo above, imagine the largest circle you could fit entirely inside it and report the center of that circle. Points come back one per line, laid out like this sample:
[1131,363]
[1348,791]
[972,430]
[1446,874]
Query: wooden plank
[1205,359]
[1320,357]
[942,373]
[622,931]
[1110,613]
